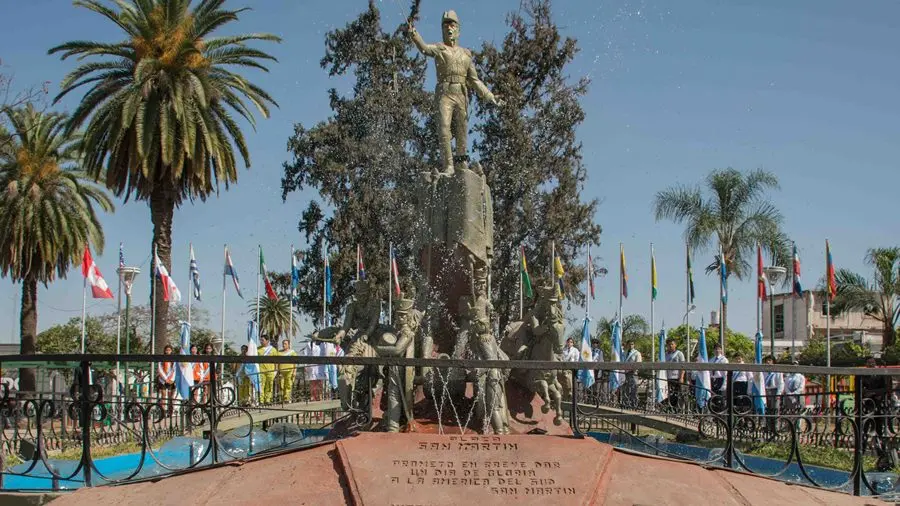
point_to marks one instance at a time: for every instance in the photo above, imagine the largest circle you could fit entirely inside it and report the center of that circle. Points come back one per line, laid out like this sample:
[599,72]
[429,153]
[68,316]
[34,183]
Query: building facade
[797,319]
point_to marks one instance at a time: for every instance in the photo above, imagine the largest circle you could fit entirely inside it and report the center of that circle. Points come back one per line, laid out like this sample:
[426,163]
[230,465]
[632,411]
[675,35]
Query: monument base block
[433,470]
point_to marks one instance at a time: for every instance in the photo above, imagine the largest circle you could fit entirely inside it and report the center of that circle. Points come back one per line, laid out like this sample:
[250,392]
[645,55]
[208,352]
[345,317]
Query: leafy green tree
[140,318]
[158,112]
[66,338]
[47,211]
[274,317]
[634,327]
[881,301]
[531,153]
[734,214]
[843,354]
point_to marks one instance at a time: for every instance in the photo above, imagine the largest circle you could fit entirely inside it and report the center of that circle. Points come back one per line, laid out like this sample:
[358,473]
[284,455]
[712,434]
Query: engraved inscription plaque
[434,470]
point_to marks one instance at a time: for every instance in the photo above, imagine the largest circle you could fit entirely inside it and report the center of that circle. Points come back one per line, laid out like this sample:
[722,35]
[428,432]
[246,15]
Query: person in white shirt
[675,378]
[631,386]
[570,352]
[794,390]
[774,389]
[718,377]
[741,381]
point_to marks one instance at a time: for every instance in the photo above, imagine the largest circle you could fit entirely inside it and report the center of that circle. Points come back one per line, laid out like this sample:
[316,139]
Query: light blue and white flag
[615,377]
[662,386]
[252,370]
[586,375]
[702,381]
[184,373]
[195,276]
[758,384]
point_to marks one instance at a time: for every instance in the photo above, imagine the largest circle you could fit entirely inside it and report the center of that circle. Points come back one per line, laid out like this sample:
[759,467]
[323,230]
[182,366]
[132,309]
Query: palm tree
[47,213]
[158,110]
[733,215]
[879,301]
[274,317]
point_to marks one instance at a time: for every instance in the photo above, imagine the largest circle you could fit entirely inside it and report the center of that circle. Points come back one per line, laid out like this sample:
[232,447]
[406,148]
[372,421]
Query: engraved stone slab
[437,470]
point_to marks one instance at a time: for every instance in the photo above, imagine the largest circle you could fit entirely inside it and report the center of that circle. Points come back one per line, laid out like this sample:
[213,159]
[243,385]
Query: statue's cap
[450,16]
[404,305]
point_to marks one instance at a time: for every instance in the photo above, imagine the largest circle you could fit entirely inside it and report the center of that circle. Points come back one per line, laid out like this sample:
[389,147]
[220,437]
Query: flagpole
[587,306]
[190,284]
[258,276]
[652,301]
[324,286]
[621,278]
[153,321]
[521,287]
[758,299]
[687,306]
[553,262]
[390,282]
[793,314]
[221,368]
[291,296]
[827,311]
[358,255]
[119,317]
[83,309]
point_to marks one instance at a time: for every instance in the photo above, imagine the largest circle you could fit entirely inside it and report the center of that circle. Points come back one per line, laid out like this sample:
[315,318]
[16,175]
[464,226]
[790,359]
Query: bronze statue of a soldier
[455,75]
[398,381]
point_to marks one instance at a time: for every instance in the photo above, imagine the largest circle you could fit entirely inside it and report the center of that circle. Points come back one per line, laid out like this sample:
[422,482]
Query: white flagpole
[258,276]
[291,296]
[827,314]
[222,351]
[553,263]
[390,282]
[652,301]
[587,306]
[358,255]
[621,279]
[153,302]
[190,280]
[119,322]
[793,297]
[324,287]
[521,287]
[758,299]
[83,310]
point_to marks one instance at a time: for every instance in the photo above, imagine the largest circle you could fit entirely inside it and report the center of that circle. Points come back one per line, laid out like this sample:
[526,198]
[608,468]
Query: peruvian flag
[761,275]
[99,288]
[270,292]
[170,290]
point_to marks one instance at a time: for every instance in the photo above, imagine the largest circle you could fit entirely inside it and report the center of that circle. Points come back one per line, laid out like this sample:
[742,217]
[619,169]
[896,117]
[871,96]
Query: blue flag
[757,385]
[195,276]
[295,279]
[586,375]
[184,373]
[327,279]
[662,386]
[703,382]
[723,275]
[251,371]
[615,377]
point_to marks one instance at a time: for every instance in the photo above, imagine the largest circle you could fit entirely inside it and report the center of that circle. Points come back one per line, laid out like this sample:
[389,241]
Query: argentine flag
[184,373]
[615,377]
[252,370]
[662,386]
[586,375]
[758,385]
[703,383]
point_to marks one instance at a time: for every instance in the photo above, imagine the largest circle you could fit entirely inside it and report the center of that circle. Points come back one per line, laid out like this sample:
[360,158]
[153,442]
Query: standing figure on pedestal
[455,74]
[398,381]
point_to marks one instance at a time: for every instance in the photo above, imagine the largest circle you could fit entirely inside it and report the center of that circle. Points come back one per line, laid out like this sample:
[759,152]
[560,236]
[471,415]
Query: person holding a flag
[632,355]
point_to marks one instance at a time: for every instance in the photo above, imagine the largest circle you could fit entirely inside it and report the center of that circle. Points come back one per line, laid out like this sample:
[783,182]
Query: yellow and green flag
[560,273]
[526,279]
[653,288]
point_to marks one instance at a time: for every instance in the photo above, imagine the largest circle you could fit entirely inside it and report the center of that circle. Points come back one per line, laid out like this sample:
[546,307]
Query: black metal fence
[843,437]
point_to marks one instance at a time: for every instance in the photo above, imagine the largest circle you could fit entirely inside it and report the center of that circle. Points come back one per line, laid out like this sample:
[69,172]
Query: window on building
[779,319]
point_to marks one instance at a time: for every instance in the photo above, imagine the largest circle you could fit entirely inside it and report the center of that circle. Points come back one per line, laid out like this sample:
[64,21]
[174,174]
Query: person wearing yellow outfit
[286,372]
[266,371]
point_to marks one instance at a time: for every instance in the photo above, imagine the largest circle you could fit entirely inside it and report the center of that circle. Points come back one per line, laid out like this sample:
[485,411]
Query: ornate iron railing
[854,427]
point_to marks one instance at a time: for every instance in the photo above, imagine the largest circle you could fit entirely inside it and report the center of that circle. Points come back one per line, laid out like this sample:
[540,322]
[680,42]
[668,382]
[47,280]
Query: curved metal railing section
[61,437]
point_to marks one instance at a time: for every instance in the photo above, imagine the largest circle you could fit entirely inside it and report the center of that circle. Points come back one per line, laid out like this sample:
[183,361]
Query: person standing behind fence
[266,371]
[242,378]
[741,380]
[675,378]
[774,389]
[286,372]
[794,390]
[631,386]
[718,377]
[165,380]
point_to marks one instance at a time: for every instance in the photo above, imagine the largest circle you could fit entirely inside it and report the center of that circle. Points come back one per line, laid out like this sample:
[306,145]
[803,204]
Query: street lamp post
[127,275]
[774,274]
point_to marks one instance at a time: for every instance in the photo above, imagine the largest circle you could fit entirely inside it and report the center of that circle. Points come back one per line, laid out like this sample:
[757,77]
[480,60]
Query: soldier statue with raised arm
[455,75]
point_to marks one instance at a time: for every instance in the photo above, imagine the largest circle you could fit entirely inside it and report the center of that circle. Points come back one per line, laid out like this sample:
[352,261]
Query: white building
[799,318]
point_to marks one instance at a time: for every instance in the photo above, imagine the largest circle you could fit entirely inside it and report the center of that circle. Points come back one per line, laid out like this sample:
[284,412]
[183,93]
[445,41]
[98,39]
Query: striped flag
[615,377]
[723,278]
[121,256]
[270,292]
[195,276]
[295,276]
[560,274]
[360,265]
[798,288]
[328,293]
[662,384]
[690,272]
[99,288]
[395,272]
[757,383]
[231,271]
[760,275]
[654,290]
[702,379]
[526,279]
[586,375]
[829,272]
[184,372]
[624,273]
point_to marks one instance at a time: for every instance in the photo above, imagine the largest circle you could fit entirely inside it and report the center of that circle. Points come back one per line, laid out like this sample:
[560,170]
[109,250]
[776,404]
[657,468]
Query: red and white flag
[170,290]
[99,288]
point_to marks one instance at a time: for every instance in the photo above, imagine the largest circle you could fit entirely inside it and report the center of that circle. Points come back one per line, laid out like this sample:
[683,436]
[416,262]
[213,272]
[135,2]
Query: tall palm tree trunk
[162,209]
[28,329]
[888,334]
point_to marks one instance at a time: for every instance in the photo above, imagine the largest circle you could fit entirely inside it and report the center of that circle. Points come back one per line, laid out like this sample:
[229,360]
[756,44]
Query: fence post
[573,415]
[213,402]
[86,421]
[729,420]
[858,436]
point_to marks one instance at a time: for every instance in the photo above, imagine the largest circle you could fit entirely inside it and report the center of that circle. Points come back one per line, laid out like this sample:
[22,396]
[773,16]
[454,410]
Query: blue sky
[807,90]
